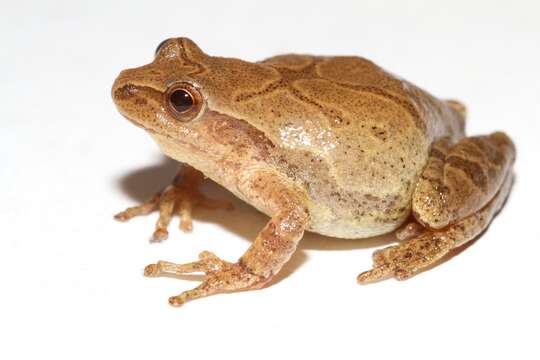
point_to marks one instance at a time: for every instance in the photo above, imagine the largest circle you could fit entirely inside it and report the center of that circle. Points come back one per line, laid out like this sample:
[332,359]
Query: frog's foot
[406,259]
[179,198]
[221,276]
[412,256]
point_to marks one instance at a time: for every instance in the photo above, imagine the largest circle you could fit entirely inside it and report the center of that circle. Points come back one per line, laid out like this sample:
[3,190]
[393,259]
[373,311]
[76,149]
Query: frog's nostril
[124,92]
[121,88]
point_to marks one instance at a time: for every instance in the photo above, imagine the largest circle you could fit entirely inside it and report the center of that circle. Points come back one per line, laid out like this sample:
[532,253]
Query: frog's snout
[123,92]
[121,89]
[124,95]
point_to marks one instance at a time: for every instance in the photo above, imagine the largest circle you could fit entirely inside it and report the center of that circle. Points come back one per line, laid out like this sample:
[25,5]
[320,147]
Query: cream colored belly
[325,222]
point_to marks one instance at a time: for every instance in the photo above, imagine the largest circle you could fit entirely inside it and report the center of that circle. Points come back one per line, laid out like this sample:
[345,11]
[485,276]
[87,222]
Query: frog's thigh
[455,201]
[461,179]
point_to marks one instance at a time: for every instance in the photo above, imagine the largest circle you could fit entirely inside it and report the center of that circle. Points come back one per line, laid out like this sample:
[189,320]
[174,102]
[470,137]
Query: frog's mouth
[160,137]
[138,124]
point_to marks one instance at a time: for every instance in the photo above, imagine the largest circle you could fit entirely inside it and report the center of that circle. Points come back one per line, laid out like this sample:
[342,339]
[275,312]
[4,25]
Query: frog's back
[347,90]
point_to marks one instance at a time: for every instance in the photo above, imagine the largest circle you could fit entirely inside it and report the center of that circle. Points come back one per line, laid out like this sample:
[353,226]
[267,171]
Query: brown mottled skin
[334,145]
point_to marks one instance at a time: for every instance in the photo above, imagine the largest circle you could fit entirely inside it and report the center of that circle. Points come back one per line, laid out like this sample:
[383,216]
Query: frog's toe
[376,274]
[221,276]
[159,235]
[144,209]
[180,199]
[151,270]
[165,202]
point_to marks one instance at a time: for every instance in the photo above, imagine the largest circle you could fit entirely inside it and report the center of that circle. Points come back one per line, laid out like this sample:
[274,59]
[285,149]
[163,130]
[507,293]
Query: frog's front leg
[181,197]
[461,189]
[271,249]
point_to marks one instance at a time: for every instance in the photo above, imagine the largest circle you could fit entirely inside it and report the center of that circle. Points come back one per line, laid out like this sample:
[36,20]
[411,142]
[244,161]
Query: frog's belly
[357,214]
[355,223]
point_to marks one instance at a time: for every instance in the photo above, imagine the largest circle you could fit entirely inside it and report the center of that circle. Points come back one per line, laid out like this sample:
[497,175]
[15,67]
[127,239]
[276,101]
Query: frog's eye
[184,101]
[160,46]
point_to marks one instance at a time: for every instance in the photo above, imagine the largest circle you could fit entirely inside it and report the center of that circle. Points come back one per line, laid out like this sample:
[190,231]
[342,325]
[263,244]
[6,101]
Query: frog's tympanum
[333,145]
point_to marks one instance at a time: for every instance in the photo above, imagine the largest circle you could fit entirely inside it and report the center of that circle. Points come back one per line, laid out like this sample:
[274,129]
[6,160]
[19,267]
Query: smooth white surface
[71,277]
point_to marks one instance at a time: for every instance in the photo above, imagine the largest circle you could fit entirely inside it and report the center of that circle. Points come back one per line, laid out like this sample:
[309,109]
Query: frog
[334,145]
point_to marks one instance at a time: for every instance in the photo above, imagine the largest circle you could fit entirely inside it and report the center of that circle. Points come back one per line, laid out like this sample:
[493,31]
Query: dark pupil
[181,100]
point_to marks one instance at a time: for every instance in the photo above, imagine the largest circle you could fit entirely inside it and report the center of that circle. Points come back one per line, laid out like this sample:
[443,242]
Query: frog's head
[182,97]
[162,97]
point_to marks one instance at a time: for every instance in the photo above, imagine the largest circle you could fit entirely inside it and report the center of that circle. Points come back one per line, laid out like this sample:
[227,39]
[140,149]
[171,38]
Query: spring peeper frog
[333,145]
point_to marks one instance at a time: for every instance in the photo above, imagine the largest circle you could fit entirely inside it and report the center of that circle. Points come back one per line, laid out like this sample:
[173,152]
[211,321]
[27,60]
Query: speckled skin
[334,145]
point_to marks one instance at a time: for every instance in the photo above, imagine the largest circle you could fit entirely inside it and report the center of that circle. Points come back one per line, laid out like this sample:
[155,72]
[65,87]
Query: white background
[71,277]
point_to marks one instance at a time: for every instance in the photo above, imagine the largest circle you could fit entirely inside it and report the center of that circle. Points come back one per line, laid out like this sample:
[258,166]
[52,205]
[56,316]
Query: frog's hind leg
[411,256]
[180,197]
[459,193]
